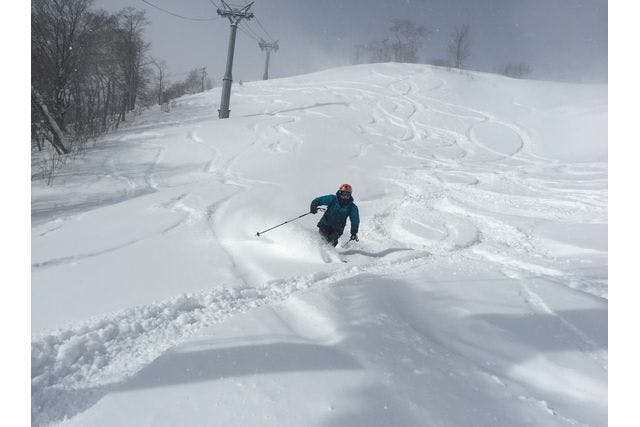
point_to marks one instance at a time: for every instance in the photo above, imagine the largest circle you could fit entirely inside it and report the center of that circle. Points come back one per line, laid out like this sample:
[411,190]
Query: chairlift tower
[234,16]
[268,47]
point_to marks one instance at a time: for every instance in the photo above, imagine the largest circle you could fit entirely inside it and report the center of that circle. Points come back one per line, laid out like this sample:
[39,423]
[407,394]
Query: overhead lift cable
[177,15]
[263,29]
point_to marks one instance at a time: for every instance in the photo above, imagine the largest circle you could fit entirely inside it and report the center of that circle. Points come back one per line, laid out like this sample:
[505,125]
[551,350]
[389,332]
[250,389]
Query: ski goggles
[344,194]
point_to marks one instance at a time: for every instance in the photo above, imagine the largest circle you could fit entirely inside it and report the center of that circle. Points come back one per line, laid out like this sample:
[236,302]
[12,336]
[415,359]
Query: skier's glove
[354,237]
[314,210]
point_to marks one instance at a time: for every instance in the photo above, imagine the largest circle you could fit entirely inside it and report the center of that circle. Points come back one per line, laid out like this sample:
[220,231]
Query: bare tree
[408,39]
[87,70]
[380,51]
[132,50]
[193,82]
[359,51]
[86,65]
[460,46]
[209,83]
[517,71]
[439,62]
[58,141]
[161,67]
[59,30]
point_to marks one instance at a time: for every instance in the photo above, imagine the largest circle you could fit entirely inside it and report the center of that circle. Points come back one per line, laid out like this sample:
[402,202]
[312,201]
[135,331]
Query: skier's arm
[320,201]
[354,218]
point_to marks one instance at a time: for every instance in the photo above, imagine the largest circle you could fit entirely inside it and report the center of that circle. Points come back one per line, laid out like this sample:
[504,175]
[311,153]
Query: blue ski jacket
[335,217]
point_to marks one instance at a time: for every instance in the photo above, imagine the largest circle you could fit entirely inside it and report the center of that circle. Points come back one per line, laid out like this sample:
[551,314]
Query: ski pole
[286,222]
[348,241]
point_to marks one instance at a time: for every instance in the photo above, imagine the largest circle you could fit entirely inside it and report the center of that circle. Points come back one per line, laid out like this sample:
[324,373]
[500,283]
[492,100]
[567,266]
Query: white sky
[561,39]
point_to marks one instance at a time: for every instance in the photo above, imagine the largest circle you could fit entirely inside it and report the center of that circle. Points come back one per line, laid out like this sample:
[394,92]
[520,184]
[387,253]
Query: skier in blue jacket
[339,207]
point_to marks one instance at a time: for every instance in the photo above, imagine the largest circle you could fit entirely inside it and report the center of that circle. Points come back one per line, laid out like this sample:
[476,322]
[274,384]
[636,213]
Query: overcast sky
[560,39]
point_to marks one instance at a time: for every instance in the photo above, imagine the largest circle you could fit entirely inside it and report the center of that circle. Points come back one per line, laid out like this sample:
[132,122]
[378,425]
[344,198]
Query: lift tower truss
[268,47]
[234,16]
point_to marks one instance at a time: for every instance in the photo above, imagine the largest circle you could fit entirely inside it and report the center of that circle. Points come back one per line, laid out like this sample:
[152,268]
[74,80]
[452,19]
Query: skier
[339,207]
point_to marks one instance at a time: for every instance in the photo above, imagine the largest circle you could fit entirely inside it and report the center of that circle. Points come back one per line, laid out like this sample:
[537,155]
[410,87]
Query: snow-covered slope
[476,295]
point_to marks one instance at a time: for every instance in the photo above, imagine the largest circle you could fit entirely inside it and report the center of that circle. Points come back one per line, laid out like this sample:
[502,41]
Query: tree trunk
[107,105]
[58,136]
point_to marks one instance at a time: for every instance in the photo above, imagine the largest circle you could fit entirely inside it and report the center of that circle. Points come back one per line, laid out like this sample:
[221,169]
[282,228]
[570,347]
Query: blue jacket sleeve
[354,218]
[321,201]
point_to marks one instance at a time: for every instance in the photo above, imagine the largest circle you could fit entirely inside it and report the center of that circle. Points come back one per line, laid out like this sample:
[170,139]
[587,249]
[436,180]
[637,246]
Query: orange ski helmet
[345,187]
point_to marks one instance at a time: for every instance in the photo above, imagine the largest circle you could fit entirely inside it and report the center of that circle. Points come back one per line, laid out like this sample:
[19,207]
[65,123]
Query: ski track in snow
[458,214]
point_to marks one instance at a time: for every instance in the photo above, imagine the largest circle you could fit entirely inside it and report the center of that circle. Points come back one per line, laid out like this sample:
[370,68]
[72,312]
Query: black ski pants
[330,235]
